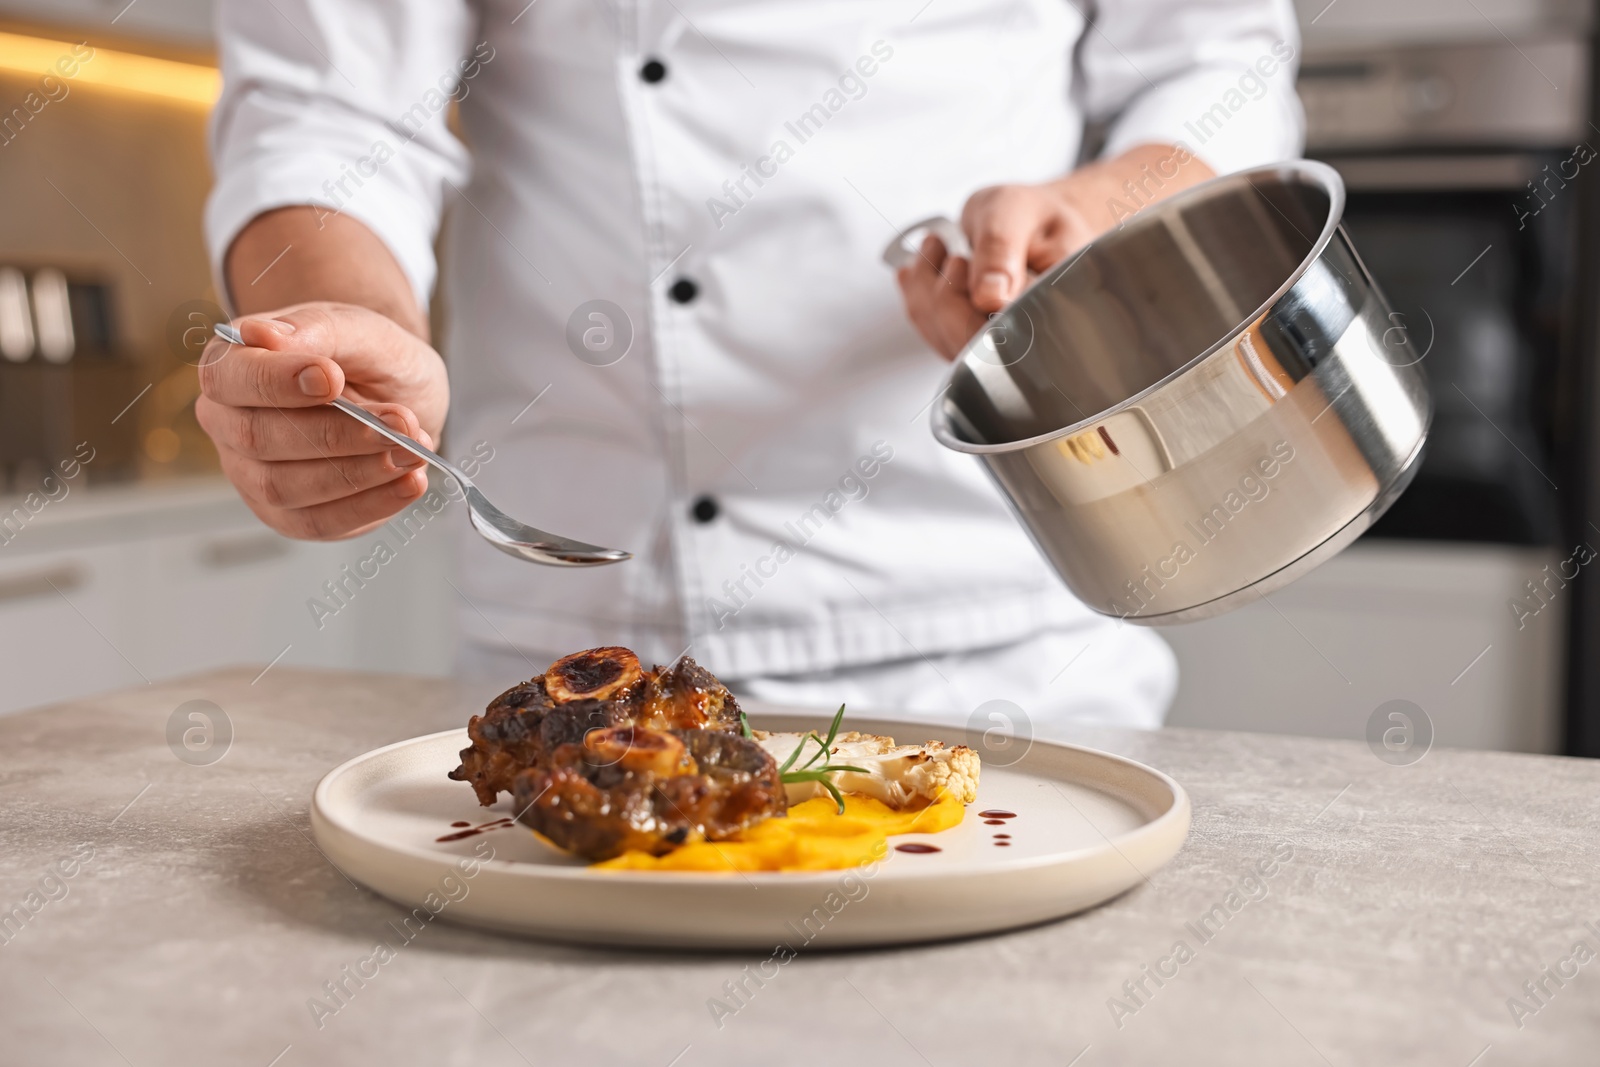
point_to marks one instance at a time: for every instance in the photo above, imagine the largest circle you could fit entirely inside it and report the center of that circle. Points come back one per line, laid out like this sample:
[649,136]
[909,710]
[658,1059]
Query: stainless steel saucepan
[1200,406]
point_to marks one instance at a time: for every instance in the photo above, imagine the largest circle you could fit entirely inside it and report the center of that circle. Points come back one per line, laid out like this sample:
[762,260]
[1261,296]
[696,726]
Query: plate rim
[1179,810]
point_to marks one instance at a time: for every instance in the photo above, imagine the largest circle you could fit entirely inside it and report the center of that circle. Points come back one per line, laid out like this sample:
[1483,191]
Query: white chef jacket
[724,172]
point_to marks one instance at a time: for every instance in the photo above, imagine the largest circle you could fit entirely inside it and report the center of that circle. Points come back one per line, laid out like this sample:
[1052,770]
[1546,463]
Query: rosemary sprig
[744,726]
[805,773]
[783,769]
[824,746]
[822,780]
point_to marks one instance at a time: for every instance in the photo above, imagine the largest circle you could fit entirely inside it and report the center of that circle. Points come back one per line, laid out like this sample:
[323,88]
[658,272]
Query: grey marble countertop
[198,918]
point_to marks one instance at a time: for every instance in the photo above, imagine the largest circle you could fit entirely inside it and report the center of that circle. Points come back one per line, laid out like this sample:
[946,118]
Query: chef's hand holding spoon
[1017,231]
[306,469]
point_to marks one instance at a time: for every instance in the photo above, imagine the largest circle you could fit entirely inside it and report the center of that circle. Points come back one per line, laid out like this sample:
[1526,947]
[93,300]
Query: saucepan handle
[907,244]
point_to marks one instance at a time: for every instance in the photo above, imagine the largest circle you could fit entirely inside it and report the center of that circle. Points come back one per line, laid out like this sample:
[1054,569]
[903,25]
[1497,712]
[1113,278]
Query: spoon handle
[355,411]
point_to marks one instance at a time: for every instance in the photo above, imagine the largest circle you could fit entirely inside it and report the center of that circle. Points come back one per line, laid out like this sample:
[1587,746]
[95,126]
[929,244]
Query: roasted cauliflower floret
[898,775]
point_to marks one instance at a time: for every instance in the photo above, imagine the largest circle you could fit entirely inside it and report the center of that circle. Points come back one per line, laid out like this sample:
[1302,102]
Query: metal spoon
[498,528]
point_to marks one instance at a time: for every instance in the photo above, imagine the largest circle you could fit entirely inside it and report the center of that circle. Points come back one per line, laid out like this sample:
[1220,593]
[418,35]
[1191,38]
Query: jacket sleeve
[1216,76]
[341,104]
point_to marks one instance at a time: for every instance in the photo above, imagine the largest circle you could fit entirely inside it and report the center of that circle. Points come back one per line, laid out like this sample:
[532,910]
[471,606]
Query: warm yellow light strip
[189,83]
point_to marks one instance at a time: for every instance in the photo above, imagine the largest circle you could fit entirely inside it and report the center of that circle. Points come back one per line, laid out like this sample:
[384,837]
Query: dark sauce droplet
[1002,844]
[460,823]
[916,848]
[497,824]
[1002,837]
[995,822]
[997,813]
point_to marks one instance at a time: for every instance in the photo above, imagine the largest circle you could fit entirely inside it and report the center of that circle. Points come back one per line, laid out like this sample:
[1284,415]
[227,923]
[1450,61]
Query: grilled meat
[592,690]
[598,674]
[519,728]
[632,787]
[686,696]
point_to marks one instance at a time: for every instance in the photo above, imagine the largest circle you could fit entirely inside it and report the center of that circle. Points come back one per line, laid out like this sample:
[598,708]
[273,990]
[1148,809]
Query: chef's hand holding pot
[1017,231]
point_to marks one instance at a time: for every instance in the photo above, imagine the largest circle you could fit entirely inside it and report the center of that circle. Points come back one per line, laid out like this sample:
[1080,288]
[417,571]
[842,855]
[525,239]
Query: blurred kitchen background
[1458,125]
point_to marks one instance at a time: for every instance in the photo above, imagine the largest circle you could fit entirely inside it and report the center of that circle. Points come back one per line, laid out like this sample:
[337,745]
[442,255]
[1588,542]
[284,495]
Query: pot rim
[1321,173]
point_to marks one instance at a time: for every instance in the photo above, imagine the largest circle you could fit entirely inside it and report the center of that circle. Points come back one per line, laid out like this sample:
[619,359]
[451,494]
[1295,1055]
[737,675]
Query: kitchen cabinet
[122,587]
[1423,622]
[51,648]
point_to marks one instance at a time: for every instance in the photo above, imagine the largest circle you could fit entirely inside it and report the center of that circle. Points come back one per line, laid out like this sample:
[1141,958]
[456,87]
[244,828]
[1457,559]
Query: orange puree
[812,837]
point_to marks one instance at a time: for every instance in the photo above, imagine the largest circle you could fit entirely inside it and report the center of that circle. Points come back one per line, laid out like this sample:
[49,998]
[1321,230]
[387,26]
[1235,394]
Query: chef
[666,326]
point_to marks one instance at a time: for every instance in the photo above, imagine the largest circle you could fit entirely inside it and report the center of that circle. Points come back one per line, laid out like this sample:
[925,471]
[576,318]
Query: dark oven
[1471,174]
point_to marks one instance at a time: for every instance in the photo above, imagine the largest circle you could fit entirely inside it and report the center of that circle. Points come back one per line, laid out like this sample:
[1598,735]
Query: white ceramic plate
[1088,826]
